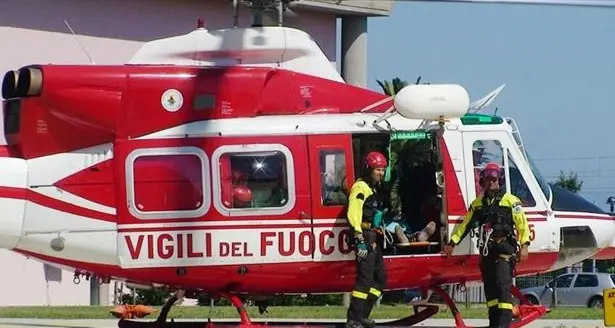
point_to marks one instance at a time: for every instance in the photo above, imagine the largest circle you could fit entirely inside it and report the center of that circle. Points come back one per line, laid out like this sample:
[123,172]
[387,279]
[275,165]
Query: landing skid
[422,312]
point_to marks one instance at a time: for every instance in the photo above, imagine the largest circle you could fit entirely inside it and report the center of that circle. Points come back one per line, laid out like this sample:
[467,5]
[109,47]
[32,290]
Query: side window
[562,281]
[333,178]
[253,179]
[485,152]
[518,186]
[167,183]
[586,280]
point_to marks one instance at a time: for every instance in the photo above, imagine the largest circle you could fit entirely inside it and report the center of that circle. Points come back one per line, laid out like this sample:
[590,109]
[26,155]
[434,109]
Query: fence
[474,292]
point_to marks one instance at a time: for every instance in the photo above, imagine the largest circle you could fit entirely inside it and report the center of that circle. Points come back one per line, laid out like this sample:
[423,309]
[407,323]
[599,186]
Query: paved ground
[100,323]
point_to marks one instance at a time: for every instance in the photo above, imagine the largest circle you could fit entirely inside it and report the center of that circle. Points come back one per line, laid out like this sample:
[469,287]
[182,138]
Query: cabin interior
[410,190]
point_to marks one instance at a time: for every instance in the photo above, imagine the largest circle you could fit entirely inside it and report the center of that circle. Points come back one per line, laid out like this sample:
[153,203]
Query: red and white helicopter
[137,171]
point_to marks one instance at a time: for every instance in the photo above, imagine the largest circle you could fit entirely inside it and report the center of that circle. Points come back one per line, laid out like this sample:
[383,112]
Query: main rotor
[260,8]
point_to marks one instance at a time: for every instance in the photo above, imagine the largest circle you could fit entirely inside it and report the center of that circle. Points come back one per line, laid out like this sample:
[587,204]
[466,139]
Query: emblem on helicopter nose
[172,100]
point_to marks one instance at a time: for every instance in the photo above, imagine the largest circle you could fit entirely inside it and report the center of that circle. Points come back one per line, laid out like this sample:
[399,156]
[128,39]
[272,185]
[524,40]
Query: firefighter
[494,217]
[365,209]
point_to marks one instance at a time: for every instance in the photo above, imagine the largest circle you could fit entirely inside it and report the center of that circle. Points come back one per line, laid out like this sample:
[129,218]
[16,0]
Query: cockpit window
[485,152]
[544,186]
[566,200]
[518,186]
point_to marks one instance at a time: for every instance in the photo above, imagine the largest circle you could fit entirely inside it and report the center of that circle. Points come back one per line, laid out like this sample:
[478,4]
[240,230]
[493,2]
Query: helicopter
[212,163]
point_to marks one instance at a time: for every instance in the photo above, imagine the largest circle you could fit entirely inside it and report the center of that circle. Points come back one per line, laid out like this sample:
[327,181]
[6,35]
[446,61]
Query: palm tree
[392,87]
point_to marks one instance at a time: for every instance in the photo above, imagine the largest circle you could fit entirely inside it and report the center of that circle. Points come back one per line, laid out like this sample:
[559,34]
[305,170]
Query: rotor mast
[260,8]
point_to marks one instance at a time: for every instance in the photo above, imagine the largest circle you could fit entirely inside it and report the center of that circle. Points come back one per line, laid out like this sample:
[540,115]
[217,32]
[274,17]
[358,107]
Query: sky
[558,64]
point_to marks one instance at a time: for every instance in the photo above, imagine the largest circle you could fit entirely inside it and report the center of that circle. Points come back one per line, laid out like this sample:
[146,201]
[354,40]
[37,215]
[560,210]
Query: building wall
[33,31]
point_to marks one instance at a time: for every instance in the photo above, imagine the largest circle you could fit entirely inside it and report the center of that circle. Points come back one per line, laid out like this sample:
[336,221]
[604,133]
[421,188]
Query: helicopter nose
[13,182]
[585,228]
[573,206]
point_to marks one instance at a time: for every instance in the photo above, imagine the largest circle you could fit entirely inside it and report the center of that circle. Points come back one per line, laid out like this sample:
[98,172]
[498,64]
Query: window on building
[485,152]
[518,186]
[256,179]
[334,190]
[586,280]
[167,183]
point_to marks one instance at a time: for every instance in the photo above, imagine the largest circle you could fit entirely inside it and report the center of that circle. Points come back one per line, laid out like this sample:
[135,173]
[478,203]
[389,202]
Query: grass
[291,312]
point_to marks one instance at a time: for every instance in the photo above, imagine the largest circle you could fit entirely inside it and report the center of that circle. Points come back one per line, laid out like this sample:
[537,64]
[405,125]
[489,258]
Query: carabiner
[486,245]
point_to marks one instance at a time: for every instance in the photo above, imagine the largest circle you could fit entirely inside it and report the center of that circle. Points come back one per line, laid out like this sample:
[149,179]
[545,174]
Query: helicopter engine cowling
[60,105]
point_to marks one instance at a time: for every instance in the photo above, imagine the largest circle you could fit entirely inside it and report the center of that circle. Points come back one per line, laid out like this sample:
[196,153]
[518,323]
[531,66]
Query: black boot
[369,305]
[355,313]
[494,316]
[505,318]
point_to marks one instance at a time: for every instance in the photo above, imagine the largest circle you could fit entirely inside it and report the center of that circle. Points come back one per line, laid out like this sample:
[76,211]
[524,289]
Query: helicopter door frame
[537,214]
[487,141]
[329,221]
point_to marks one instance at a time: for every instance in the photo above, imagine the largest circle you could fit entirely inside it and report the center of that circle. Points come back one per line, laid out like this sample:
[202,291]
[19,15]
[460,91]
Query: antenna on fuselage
[480,104]
[79,42]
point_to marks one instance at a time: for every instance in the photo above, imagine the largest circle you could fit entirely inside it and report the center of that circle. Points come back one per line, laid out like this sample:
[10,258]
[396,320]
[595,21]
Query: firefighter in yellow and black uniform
[364,212]
[494,218]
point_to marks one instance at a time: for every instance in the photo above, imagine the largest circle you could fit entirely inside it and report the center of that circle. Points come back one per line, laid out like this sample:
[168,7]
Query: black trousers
[497,276]
[370,280]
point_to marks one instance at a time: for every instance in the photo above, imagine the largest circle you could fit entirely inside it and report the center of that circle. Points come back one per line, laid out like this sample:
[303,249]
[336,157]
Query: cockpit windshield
[544,186]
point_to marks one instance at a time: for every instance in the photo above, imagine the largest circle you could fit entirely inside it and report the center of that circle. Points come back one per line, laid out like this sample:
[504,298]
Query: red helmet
[375,160]
[492,170]
[242,194]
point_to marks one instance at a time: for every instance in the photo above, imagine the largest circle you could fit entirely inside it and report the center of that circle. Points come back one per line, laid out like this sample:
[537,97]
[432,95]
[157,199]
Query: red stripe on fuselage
[52,203]
[12,193]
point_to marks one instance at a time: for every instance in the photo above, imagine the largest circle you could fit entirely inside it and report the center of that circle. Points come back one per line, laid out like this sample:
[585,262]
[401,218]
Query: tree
[569,181]
[392,87]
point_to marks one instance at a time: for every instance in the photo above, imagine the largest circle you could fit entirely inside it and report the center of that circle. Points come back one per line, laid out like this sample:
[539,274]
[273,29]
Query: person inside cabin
[407,217]
[275,195]
[365,211]
[239,178]
[265,176]
[404,235]
[242,196]
[234,189]
[495,216]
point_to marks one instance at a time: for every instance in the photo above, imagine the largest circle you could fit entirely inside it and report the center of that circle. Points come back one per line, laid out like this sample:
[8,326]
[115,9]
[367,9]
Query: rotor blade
[485,101]
[581,3]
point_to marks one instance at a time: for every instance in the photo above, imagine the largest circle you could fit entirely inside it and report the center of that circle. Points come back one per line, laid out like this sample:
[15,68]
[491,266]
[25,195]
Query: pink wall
[33,31]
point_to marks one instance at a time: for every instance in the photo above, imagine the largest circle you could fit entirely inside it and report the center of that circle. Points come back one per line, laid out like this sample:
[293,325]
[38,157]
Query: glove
[361,248]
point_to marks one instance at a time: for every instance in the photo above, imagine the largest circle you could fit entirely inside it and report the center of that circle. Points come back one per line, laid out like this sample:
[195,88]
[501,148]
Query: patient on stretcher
[401,231]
